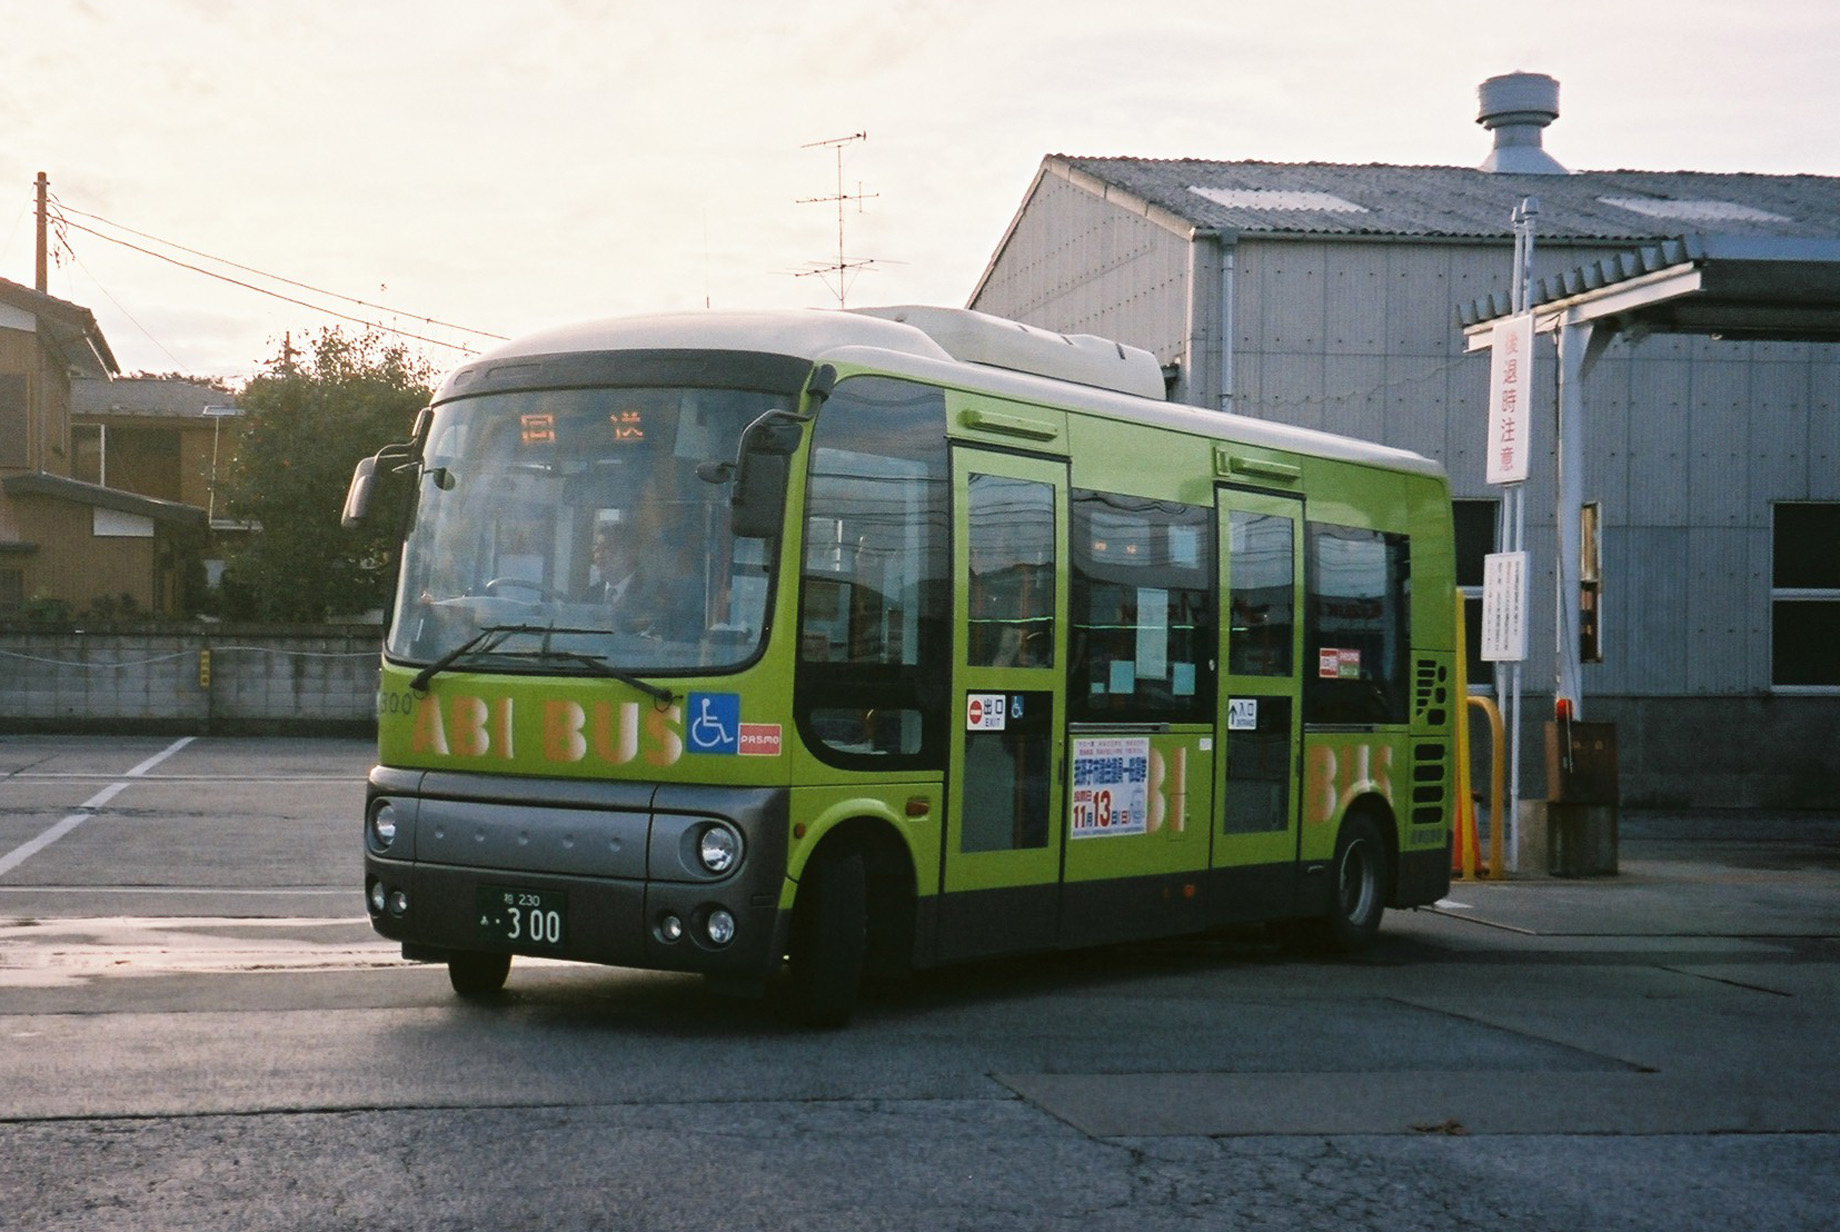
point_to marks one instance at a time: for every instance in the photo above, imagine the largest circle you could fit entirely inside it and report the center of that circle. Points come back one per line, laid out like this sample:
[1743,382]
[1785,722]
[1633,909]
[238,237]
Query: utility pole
[843,265]
[41,281]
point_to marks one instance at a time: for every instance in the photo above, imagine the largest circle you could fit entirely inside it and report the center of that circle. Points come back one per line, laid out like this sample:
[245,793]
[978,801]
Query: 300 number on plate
[523,917]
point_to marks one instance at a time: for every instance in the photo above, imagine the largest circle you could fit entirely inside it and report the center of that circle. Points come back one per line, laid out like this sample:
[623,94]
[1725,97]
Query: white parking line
[25,851]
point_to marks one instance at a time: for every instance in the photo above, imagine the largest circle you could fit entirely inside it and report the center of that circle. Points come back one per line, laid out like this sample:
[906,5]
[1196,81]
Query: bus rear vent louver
[1430,783]
[1430,693]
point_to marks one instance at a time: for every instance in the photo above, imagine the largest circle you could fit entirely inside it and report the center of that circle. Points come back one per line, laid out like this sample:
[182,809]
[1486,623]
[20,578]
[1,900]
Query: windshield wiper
[478,642]
[492,636]
[599,666]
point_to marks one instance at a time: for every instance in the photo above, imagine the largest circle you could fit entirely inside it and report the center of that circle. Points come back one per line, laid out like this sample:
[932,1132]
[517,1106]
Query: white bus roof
[958,348]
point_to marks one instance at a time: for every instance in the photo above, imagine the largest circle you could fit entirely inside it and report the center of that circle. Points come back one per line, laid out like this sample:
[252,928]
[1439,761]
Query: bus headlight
[720,927]
[718,849]
[382,825]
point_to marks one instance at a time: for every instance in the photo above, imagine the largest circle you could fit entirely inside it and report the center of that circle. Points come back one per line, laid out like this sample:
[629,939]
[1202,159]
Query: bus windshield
[568,530]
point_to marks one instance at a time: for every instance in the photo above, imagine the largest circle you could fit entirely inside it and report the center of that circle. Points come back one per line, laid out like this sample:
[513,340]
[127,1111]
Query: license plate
[524,918]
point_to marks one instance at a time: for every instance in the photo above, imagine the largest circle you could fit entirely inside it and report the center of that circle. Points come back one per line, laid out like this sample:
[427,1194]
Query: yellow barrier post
[1464,832]
[1463,829]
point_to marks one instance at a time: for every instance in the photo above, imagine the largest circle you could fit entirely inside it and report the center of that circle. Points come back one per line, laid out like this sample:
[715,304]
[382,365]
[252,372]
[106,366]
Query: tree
[307,420]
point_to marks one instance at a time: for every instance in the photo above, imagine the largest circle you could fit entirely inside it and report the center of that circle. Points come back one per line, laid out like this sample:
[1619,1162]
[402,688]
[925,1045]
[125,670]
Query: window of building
[15,422]
[12,589]
[89,453]
[1358,586]
[1805,596]
[1143,613]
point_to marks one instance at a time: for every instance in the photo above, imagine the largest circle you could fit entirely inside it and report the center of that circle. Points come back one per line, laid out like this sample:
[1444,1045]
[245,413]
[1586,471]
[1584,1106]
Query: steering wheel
[536,588]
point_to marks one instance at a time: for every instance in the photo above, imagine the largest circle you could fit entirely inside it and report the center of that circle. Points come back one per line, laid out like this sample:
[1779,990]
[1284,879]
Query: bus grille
[1430,783]
[1431,694]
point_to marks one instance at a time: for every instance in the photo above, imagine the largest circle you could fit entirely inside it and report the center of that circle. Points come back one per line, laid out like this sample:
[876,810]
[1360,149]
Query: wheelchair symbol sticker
[714,723]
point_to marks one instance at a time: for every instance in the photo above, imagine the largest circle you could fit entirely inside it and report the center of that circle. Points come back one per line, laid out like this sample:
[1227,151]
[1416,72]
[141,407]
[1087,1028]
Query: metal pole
[1574,342]
[1515,516]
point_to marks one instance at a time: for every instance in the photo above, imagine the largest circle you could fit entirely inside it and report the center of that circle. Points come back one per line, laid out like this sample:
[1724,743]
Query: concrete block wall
[261,680]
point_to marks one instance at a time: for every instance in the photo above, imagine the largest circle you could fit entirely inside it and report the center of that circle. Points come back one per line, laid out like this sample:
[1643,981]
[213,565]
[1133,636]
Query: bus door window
[1260,718]
[1010,583]
[1007,774]
[1261,600]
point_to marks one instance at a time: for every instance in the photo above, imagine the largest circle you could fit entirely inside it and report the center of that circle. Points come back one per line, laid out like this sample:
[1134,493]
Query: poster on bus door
[1111,776]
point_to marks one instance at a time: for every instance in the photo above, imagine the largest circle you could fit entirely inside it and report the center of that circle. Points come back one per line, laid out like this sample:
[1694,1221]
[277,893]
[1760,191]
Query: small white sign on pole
[1504,607]
[1510,377]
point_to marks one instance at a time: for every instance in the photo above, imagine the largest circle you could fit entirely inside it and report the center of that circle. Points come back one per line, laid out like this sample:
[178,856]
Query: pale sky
[513,165]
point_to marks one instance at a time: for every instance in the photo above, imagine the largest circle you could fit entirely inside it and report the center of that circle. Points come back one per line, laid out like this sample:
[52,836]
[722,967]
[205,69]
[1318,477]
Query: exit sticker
[986,711]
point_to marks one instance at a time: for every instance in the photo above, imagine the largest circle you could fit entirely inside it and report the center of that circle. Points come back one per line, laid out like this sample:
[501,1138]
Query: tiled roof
[1335,199]
[70,328]
[145,396]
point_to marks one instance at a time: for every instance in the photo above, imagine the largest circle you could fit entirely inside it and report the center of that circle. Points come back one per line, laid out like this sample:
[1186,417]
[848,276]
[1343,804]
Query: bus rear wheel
[1359,893]
[477,975]
[829,937]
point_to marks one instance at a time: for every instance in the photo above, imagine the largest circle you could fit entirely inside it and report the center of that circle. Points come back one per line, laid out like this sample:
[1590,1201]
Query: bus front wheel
[829,935]
[477,975]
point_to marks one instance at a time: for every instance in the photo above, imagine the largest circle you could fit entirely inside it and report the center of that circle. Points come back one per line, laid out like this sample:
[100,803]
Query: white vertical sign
[1504,607]
[1510,375]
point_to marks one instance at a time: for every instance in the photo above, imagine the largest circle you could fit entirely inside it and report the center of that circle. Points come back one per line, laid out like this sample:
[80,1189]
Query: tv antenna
[844,268]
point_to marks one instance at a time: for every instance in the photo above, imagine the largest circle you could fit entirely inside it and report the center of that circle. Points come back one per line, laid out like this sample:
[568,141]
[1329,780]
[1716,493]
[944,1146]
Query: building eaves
[70,329]
[1724,286]
[56,487]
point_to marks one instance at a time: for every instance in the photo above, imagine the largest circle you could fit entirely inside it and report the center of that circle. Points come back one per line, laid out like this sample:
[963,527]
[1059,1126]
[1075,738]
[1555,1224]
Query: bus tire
[830,922]
[1358,892]
[477,975]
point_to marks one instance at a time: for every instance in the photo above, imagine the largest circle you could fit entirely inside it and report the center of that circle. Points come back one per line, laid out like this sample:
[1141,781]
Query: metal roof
[1727,286]
[1327,200]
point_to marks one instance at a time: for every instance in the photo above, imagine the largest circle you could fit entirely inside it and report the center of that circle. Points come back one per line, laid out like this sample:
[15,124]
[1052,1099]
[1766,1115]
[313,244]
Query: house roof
[69,329]
[146,397]
[1326,200]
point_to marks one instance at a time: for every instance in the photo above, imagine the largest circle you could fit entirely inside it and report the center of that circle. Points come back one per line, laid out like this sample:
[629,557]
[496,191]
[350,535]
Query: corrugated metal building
[1330,296]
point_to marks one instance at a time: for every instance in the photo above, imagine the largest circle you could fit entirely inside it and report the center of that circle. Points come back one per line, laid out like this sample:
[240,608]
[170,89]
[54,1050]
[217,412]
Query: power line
[78,262]
[248,286]
[247,269]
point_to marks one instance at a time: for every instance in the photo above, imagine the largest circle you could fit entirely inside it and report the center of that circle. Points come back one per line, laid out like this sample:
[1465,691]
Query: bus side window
[1357,625]
[1142,610]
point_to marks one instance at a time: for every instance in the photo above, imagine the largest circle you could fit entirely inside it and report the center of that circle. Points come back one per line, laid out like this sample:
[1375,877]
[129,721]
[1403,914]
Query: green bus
[853,643]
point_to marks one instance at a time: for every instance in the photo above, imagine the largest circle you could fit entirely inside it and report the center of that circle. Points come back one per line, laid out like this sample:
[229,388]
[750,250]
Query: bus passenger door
[1002,859]
[1258,773]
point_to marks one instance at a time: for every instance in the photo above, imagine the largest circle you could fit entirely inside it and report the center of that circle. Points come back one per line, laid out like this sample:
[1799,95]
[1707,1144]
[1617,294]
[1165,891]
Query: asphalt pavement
[198,1029]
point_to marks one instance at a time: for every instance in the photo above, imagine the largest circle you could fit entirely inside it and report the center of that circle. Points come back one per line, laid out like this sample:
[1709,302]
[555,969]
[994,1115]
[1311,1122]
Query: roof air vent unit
[1517,107]
[979,338]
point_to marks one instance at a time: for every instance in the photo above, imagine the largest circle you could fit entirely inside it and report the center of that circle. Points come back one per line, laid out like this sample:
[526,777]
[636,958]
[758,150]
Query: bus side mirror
[758,505]
[358,495]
